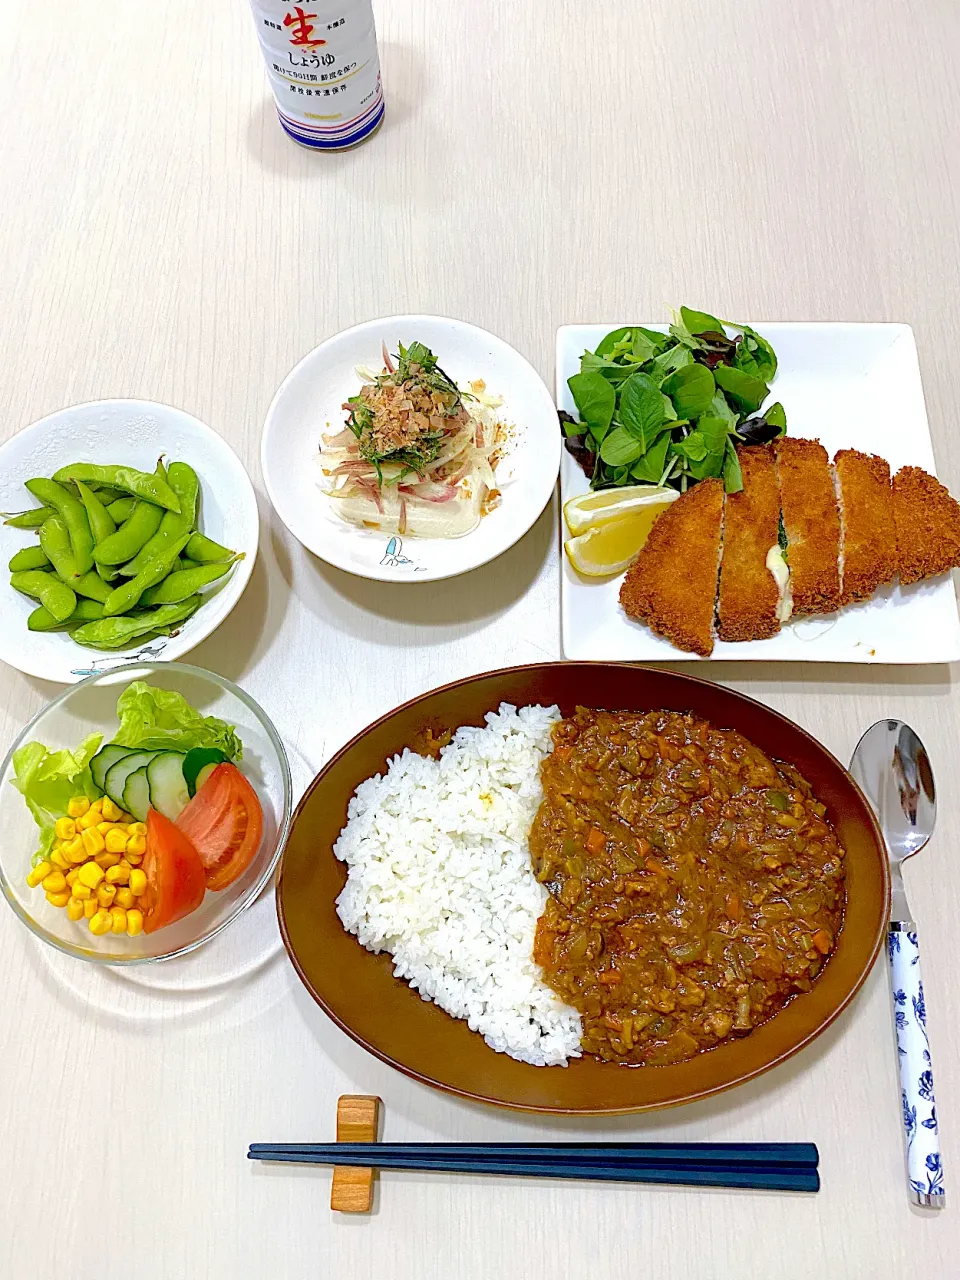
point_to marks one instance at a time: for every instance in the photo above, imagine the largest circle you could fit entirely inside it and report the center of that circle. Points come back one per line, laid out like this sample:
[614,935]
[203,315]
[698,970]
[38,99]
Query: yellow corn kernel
[137,845]
[65,828]
[119,874]
[138,882]
[90,908]
[81,890]
[133,858]
[93,841]
[58,860]
[91,874]
[138,828]
[39,873]
[126,819]
[115,840]
[118,920]
[100,923]
[104,827]
[59,899]
[71,876]
[78,806]
[74,851]
[75,909]
[106,859]
[106,894]
[55,882]
[89,819]
[124,899]
[112,812]
[134,923]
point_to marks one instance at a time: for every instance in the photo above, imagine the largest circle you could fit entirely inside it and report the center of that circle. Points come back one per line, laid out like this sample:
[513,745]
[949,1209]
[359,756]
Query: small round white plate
[136,433]
[310,402]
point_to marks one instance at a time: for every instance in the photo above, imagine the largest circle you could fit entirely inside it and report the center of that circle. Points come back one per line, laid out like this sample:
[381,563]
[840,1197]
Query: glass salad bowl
[91,707]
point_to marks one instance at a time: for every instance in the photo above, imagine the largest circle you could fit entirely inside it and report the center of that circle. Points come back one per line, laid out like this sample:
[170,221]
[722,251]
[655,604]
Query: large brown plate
[358,990]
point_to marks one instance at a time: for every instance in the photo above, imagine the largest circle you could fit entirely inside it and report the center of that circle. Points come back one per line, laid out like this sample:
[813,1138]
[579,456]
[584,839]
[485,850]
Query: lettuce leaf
[49,780]
[157,719]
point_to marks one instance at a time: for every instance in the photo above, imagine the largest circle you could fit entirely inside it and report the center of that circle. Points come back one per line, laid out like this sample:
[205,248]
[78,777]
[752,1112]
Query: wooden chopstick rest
[358,1120]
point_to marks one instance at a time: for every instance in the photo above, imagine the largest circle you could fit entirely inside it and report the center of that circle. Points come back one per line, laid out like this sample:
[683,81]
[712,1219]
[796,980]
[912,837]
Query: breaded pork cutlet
[868,538]
[672,584]
[928,526]
[808,504]
[748,599]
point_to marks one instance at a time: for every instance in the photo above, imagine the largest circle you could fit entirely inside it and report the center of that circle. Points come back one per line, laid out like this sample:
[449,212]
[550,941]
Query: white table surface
[540,164]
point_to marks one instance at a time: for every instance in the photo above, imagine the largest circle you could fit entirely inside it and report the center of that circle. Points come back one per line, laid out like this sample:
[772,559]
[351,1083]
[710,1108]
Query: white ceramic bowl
[310,402]
[134,432]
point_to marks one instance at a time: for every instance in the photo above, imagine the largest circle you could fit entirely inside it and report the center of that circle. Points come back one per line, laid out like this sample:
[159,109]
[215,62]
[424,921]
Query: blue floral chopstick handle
[924,1167]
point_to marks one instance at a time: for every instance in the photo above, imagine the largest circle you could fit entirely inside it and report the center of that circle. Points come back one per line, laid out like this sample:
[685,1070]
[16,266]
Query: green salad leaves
[157,719]
[670,408]
[48,781]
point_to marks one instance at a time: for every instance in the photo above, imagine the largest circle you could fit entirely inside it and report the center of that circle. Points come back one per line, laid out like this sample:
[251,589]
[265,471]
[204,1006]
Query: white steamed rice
[440,876]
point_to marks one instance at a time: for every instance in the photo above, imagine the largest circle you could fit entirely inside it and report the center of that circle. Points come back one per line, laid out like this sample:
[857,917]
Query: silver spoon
[892,767]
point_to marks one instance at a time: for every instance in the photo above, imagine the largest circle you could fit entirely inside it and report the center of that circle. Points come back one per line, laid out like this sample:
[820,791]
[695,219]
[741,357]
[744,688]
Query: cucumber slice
[197,761]
[115,781]
[102,761]
[168,790]
[136,794]
[205,773]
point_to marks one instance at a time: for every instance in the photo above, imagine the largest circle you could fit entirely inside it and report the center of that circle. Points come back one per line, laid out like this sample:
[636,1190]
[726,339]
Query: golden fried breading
[812,523]
[748,599]
[672,584]
[868,537]
[927,521]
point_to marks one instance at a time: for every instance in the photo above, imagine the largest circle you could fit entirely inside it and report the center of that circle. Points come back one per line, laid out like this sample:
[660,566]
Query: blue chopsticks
[765,1166]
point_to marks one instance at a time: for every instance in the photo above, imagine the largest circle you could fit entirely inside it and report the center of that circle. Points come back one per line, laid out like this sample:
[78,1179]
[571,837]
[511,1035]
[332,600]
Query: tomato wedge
[224,823]
[175,877]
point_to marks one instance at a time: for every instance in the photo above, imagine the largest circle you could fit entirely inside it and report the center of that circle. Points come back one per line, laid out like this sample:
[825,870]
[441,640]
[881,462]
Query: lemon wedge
[610,548]
[591,510]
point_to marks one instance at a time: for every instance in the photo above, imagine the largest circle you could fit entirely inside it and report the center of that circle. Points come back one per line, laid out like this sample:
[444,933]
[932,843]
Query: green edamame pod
[205,551]
[131,536]
[125,597]
[92,586]
[183,481]
[71,511]
[57,547]
[151,488]
[121,509]
[101,522]
[114,633]
[182,583]
[29,558]
[55,596]
[31,519]
[86,611]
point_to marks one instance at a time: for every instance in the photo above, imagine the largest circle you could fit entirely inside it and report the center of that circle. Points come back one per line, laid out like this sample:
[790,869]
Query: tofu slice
[808,503]
[749,599]
[672,584]
[868,536]
[927,522]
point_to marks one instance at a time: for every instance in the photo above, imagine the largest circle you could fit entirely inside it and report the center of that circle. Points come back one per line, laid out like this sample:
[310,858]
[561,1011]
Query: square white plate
[852,386]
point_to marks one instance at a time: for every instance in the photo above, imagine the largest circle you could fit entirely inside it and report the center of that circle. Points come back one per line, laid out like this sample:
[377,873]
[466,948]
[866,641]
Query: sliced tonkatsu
[927,523]
[808,503]
[749,601]
[672,584]
[868,538]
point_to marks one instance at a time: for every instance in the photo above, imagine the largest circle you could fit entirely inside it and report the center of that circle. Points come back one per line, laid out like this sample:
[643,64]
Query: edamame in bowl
[130,531]
[141,812]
